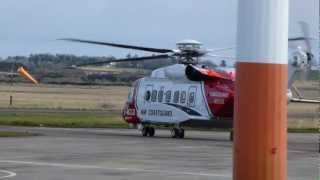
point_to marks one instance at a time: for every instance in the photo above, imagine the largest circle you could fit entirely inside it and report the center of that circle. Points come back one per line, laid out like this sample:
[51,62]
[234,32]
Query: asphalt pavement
[77,154]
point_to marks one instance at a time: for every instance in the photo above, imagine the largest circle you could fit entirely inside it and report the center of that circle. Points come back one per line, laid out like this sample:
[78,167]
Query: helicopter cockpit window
[160,95]
[168,96]
[176,97]
[154,96]
[147,95]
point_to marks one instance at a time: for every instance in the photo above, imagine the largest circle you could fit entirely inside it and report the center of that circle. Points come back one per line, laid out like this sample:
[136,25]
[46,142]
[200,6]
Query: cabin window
[176,97]
[160,95]
[154,96]
[168,96]
[147,95]
[191,99]
[183,97]
[192,96]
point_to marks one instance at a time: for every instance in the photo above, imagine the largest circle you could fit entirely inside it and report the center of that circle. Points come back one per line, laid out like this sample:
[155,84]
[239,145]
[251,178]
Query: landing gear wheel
[151,131]
[145,131]
[231,135]
[174,132]
[177,133]
[181,133]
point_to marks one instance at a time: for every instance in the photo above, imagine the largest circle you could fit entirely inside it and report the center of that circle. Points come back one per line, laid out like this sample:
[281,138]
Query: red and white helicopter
[187,93]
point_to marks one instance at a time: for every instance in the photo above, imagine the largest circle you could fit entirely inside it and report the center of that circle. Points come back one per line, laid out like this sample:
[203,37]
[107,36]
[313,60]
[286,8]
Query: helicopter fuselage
[178,101]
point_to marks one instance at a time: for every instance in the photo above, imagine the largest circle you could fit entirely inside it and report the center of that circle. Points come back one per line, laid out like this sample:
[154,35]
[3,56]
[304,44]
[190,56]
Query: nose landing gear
[148,131]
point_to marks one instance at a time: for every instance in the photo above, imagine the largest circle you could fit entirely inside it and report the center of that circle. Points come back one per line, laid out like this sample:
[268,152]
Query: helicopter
[187,93]
[176,95]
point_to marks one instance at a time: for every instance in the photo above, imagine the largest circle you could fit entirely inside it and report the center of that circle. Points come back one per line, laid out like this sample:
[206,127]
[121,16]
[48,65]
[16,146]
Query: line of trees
[50,61]
[50,68]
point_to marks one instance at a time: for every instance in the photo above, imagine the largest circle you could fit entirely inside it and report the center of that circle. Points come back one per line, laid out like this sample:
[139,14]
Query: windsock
[26,75]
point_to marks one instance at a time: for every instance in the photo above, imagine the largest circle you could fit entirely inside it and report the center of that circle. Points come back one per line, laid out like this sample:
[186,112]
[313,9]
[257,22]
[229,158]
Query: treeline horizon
[68,60]
[56,68]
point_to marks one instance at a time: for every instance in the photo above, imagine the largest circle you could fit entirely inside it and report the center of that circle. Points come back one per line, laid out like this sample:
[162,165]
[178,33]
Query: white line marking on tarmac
[78,166]
[8,174]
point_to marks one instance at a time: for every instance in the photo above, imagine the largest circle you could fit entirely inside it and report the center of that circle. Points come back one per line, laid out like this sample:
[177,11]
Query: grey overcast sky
[32,26]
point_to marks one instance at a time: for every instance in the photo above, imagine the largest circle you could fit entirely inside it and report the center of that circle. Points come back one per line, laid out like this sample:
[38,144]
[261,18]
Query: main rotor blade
[165,56]
[155,50]
[301,38]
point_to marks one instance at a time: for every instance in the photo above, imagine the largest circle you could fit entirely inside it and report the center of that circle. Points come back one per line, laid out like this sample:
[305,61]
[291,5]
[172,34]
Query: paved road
[122,154]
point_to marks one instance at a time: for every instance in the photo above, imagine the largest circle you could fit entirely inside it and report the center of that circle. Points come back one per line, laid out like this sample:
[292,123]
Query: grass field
[71,120]
[89,120]
[100,106]
[6,134]
[63,97]
[304,116]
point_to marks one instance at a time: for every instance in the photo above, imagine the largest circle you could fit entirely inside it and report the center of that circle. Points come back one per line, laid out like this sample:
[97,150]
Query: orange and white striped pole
[260,143]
